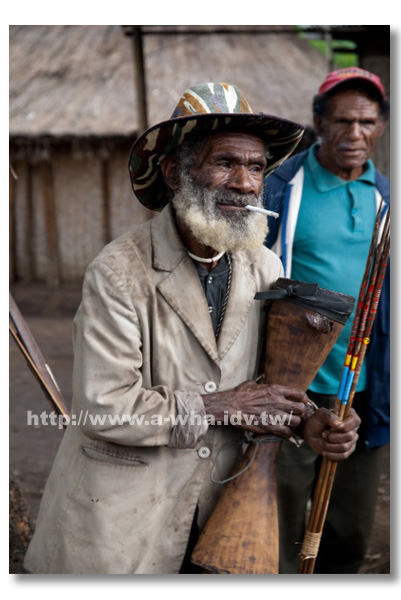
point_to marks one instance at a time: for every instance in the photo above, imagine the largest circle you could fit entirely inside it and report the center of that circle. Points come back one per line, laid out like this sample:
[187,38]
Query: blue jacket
[283,189]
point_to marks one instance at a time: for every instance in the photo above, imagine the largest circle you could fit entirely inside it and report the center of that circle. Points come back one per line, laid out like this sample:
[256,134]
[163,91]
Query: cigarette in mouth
[269,213]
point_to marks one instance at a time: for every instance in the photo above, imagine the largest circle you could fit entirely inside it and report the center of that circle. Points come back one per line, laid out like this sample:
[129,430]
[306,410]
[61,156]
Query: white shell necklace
[206,260]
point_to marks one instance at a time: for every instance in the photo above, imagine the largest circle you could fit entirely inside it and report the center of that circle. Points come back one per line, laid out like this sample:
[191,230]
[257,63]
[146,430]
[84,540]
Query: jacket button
[203,452]
[210,387]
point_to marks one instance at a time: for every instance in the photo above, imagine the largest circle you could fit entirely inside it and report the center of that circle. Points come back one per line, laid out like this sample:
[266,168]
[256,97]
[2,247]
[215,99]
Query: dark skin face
[232,161]
[349,133]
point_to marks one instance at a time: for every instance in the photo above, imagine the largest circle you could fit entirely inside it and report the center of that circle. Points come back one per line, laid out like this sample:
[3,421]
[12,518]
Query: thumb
[328,418]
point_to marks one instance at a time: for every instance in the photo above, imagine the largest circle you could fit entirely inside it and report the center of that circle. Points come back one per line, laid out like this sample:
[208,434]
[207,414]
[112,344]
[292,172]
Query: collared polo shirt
[331,245]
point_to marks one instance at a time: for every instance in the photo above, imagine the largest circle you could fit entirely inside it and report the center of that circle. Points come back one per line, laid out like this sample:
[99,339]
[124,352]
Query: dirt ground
[33,447]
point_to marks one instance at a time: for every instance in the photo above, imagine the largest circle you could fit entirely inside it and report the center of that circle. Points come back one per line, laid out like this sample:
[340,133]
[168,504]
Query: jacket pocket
[112,456]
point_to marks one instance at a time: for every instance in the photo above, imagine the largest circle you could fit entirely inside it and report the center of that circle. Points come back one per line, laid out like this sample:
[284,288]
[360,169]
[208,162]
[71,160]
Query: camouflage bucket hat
[203,109]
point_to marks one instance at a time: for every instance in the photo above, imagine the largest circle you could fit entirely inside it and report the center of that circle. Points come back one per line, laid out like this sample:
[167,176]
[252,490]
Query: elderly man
[329,196]
[168,339]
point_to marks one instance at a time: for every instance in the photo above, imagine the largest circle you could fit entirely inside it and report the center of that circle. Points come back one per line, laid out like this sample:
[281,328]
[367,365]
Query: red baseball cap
[336,77]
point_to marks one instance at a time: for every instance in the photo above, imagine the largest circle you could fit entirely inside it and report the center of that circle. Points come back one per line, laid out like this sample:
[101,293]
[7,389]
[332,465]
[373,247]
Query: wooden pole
[29,245]
[53,265]
[104,166]
[139,77]
[12,244]
[33,356]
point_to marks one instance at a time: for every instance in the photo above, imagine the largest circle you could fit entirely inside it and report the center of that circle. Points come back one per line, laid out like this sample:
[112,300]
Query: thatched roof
[68,80]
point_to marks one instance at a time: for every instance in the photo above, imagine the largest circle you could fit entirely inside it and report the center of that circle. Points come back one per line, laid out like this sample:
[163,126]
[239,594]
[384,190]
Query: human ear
[169,169]
[318,124]
[381,127]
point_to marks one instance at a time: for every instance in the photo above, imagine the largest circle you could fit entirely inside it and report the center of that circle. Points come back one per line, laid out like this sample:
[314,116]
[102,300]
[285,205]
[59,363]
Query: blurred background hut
[80,95]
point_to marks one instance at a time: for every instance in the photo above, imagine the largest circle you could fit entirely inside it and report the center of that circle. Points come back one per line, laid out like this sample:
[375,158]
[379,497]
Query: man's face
[212,196]
[231,162]
[348,133]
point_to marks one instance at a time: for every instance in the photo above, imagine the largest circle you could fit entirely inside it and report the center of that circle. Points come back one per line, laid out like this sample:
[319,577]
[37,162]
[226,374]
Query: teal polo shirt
[331,245]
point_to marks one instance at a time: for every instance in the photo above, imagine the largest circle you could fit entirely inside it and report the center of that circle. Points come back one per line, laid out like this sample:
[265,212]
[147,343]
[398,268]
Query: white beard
[241,230]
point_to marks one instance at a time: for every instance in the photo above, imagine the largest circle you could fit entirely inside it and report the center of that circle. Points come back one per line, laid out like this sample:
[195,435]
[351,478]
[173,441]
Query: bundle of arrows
[365,312]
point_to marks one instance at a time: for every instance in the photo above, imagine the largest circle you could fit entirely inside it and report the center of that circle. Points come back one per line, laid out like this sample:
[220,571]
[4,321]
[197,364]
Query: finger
[294,394]
[266,403]
[297,396]
[340,448]
[338,456]
[333,437]
[287,408]
[329,419]
[352,421]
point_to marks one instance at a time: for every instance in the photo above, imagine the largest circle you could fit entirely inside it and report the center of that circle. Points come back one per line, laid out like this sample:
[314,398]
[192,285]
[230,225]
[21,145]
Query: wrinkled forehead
[349,101]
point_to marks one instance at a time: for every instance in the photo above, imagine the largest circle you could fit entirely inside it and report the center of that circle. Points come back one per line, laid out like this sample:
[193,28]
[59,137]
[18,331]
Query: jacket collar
[182,289]
[287,170]
[168,249]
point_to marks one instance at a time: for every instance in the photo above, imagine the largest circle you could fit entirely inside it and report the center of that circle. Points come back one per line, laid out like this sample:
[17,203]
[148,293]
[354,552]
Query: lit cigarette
[269,213]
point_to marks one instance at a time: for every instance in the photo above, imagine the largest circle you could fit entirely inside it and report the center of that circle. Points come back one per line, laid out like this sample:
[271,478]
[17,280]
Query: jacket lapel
[242,292]
[181,287]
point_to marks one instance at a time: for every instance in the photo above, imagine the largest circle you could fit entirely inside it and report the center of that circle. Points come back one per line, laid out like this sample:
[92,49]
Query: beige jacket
[121,496]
